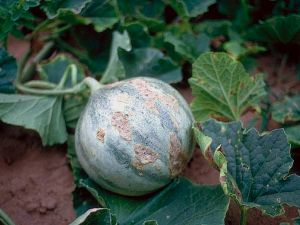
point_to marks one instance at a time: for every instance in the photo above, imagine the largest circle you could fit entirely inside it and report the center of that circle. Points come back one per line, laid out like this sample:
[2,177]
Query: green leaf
[202,204]
[254,168]
[149,62]
[149,13]
[14,13]
[55,8]
[8,71]
[238,11]
[213,28]
[139,34]
[222,88]
[280,29]
[96,216]
[188,45]
[115,70]
[54,69]
[293,134]
[193,204]
[42,114]
[101,14]
[190,8]
[287,110]
[241,49]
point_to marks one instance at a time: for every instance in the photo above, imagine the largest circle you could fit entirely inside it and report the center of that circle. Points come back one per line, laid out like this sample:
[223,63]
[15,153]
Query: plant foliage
[254,168]
[222,88]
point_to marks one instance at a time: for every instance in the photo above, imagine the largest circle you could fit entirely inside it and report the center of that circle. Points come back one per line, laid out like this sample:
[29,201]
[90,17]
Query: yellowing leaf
[222,88]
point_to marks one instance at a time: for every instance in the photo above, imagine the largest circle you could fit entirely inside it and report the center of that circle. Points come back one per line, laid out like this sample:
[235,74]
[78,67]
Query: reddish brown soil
[36,182]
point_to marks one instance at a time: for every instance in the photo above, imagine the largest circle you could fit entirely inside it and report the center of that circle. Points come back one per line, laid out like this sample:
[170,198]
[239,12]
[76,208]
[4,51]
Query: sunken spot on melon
[152,95]
[177,159]
[143,156]
[100,135]
[121,122]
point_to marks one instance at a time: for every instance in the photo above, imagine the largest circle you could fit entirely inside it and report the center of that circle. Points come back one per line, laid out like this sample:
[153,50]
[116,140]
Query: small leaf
[101,14]
[55,8]
[42,114]
[115,70]
[241,49]
[254,168]
[293,134]
[8,71]
[149,62]
[280,29]
[213,28]
[96,216]
[193,204]
[54,69]
[222,88]
[189,45]
[190,8]
[287,110]
[149,13]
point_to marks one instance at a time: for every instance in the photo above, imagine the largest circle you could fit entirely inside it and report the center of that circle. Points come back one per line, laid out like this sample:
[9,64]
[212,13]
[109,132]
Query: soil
[36,183]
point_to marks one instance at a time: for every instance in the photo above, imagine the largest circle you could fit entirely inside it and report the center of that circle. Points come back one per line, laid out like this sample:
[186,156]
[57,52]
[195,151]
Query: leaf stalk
[244,214]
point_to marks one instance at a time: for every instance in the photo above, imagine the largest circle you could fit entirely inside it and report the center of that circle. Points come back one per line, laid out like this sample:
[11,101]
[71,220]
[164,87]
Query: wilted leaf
[54,69]
[42,114]
[193,205]
[8,72]
[188,45]
[254,168]
[149,62]
[280,29]
[190,8]
[222,88]
[115,70]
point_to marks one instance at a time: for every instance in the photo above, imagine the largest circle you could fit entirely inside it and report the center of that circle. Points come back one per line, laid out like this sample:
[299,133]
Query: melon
[135,136]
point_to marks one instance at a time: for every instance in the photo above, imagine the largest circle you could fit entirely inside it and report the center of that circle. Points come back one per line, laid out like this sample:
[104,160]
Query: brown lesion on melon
[100,135]
[177,159]
[152,94]
[143,156]
[120,121]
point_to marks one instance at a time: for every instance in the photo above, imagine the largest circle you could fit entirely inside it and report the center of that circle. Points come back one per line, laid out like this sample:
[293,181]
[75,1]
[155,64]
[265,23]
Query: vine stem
[30,67]
[244,213]
[5,218]
[92,83]
[39,87]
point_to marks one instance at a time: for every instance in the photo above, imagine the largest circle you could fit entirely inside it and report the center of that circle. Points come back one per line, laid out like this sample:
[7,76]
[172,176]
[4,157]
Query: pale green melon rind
[110,164]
